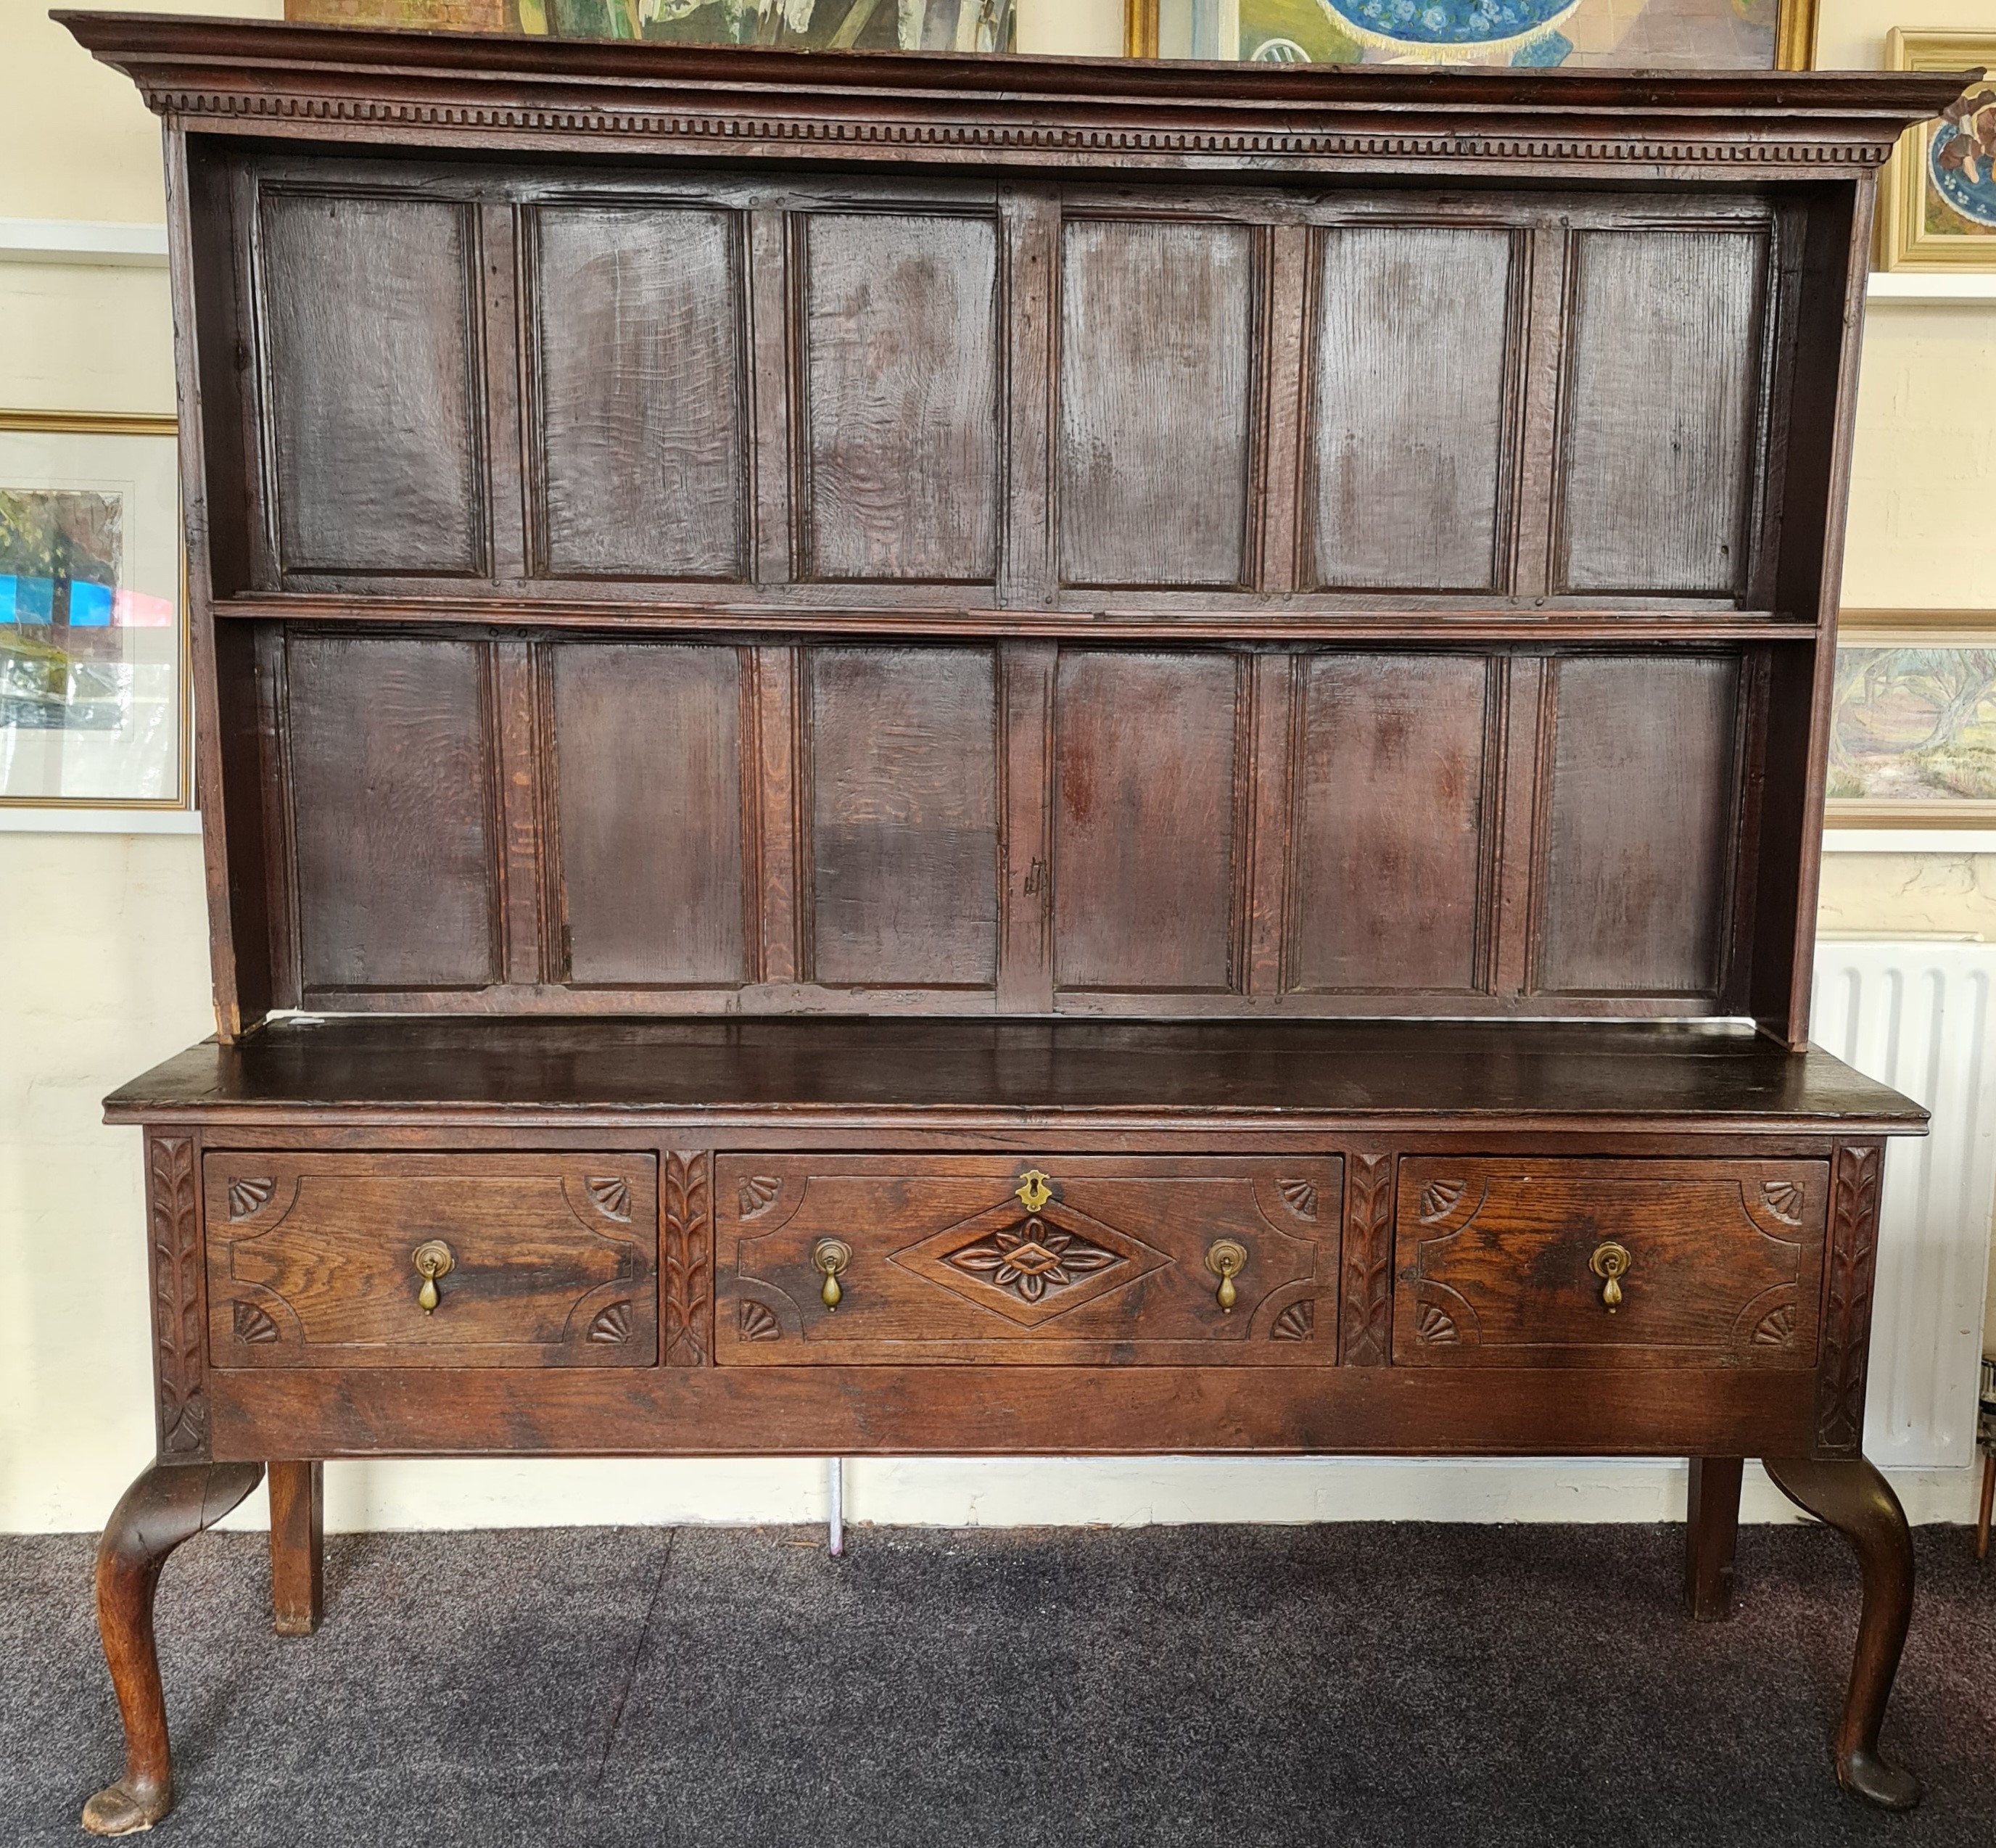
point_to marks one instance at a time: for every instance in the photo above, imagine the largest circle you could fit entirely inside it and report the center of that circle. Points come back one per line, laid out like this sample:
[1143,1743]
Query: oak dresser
[973,756]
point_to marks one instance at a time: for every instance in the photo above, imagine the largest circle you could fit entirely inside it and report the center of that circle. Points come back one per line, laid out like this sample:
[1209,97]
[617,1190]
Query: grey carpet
[1347,1685]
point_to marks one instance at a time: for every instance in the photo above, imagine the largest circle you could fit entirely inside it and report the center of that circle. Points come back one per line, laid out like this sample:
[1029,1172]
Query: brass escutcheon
[1227,1258]
[1610,1263]
[432,1259]
[1033,1191]
[830,1256]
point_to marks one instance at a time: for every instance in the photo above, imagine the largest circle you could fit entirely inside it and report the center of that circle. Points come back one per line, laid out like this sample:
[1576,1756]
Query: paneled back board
[1086,539]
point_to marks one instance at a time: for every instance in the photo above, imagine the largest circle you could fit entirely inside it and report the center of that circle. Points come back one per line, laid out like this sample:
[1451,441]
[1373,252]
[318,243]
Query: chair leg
[1712,1530]
[1851,1497]
[298,1548]
[170,1503]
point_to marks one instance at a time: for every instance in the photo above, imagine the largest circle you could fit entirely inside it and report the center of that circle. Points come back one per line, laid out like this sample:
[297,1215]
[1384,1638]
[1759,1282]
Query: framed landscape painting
[1937,203]
[1751,35]
[1913,726]
[93,647]
[814,25]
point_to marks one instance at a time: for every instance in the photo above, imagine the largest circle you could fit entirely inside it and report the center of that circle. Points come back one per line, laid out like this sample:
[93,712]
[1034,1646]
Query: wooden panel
[1663,373]
[310,1260]
[900,397]
[640,395]
[1640,800]
[948,1262]
[1145,823]
[1410,410]
[392,810]
[1156,372]
[1392,798]
[371,361]
[904,816]
[1495,1262]
[648,743]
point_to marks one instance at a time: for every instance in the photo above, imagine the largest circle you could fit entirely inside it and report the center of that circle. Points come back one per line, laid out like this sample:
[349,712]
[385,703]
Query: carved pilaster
[689,1259]
[1367,1286]
[1855,1175]
[178,1317]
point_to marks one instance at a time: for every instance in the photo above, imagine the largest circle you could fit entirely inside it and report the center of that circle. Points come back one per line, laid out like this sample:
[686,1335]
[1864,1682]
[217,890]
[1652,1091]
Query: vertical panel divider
[768,347]
[280,853]
[1030,220]
[1277,699]
[1287,336]
[1534,489]
[773,837]
[505,506]
[1522,698]
[1025,826]
[522,861]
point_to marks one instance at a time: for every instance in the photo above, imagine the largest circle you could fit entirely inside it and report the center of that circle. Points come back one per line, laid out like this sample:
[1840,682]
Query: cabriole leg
[1712,1530]
[1851,1497]
[298,1546]
[171,1502]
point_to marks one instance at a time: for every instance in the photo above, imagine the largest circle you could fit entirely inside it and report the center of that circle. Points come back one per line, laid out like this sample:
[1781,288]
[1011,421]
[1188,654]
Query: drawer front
[1508,1262]
[311,1260]
[1082,1260]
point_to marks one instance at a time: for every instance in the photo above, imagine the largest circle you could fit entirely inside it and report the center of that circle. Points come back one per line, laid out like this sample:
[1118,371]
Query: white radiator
[1921,1016]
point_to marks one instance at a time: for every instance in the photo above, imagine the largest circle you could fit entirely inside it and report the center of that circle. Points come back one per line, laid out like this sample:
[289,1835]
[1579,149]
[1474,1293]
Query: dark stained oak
[731,590]
[634,338]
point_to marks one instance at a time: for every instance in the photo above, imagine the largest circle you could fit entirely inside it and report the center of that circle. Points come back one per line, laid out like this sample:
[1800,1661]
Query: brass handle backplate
[432,1259]
[1610,1263]
[1227,1258]
[830,1256]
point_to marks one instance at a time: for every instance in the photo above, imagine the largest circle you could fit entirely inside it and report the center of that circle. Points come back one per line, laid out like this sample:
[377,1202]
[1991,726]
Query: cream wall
[103,937]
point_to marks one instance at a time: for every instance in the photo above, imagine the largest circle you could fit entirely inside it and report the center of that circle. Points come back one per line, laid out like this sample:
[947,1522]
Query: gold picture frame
[1900,673]
[1919,228]
[1794,31]
[170,759]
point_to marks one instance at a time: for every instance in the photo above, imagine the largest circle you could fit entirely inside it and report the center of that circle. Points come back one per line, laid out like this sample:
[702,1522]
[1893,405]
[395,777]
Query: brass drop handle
[1227,1258]
[432,1259]
[830,1256]
[1610,1263]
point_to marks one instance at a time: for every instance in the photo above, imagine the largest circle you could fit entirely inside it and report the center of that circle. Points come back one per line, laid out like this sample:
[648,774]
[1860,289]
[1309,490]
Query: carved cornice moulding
[454,89]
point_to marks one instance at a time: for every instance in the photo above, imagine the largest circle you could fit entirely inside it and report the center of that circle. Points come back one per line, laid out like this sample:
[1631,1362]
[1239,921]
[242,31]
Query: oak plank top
[1279,1072]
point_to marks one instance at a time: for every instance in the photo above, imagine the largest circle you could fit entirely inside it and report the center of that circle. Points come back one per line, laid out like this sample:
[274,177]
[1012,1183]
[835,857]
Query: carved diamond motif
[1029,1267]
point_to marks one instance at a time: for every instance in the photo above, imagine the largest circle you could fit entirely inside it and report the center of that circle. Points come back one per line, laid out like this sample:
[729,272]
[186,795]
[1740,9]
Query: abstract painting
[92,681]
[818,25]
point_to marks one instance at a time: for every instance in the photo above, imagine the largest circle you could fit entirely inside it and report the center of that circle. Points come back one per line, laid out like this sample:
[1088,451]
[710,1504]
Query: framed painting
[1937,204]
[93,641]
[815,25]
[1913,730]
[1751,35]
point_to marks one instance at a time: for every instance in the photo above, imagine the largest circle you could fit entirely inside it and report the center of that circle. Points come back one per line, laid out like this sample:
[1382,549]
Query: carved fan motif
[1438,1200]
[758,1322]
[1776,1328]
[253,1326]
[612,1327]
[248,1197]
[612,1195]
[1785,1200]
[1437,1329]
[758,1194]
[1030,1259]
[1299,1197]
[1297,1323]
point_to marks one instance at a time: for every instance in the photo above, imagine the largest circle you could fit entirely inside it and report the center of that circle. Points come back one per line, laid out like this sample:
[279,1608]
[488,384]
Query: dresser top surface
[1400,1071]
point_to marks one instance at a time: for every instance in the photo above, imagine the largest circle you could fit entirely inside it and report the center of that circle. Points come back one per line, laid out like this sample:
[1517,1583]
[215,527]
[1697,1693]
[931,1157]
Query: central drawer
[441,1260]
[1094,1260]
